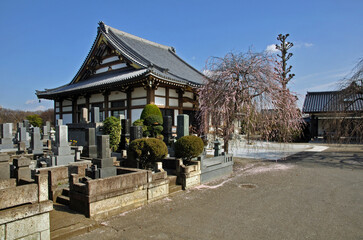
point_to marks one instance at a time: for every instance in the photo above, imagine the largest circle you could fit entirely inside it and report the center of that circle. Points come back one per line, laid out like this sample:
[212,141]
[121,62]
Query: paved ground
[311,195]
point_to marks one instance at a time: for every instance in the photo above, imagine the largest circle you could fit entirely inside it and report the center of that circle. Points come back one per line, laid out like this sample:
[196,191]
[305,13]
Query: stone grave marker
[6,136]
[183,125]
[91,148]
[95,114]
[135,132]
[84,115]
[36,144]
[125,133]
[103,164]
[167,129]
[22,170]
[62,150]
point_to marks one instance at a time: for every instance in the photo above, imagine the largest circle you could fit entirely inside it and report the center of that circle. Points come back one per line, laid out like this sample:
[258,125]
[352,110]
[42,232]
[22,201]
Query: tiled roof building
[121,74]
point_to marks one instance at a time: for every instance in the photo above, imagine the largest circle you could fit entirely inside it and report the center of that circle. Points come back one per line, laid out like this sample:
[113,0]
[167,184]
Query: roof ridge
[107,28]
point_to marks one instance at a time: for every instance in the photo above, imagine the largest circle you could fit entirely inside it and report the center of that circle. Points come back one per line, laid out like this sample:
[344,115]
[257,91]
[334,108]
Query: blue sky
[43,43]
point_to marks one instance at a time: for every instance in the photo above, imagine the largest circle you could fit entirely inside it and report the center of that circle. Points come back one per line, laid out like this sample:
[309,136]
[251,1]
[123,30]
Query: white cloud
[303,45]
[308,45]
[271,48]
[32,101]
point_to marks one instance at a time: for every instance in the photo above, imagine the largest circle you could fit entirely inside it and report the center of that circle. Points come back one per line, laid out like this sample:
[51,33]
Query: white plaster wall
[56,116]
[66,103]
[187,104]
[160,91]
[57,104]
[138,102]
[116,95]
[188,94]
[101,70]
[160,101]
[118,66]
[56,109]
[67,109]
[135,114]
[81,100]
[173,93]
[96,98]
[138,92]
[111,59]
[173,102]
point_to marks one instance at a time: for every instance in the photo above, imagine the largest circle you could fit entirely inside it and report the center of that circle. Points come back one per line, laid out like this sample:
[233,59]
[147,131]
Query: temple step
[63,200]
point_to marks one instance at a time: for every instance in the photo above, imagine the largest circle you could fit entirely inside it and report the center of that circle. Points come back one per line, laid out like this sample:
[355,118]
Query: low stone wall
[24,209]
[216,167]
[58,177]
[131,188]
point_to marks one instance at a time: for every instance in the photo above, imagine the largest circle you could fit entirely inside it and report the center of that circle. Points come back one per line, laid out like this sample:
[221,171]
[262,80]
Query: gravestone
[84,115]
[6,136]
[23,136]
[90,149]
[95,114]
[4,166]
[183,125]
[26,125]
[103,164]
[135,132]
[59,122]
[125,133]
[167,129]
[62,150]
[36,144]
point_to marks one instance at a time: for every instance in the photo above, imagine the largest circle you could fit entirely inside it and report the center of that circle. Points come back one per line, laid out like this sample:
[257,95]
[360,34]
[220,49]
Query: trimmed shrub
[140,122]
[153,120]
[188,147]
[112,127]
[151,109]
[148,151]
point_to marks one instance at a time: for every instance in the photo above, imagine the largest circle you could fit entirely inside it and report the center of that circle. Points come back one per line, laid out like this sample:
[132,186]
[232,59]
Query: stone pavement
[310,195]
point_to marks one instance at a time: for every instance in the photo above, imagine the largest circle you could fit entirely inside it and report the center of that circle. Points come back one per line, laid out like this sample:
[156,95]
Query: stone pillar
[183,125]
[62,150]
[22,170]
[23,136]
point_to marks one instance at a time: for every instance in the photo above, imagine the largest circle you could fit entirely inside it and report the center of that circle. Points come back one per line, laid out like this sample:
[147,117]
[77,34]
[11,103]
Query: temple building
[121,74]
[326,107]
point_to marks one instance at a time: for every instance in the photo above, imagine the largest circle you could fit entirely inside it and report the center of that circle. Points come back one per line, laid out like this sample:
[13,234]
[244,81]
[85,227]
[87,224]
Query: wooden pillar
[180,100]
[74,110]
[60,105]
[128,93]
[105,102]
[87,101]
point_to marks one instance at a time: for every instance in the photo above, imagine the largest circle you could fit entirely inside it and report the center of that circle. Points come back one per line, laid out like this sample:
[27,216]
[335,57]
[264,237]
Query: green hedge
[188,147]
[148,150]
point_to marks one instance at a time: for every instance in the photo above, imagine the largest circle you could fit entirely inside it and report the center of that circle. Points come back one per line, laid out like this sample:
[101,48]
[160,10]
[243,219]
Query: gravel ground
[310,195]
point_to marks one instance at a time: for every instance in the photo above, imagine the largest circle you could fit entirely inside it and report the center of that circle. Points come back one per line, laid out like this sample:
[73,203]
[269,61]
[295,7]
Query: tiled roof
[96,81]
[333,101]
[154,59]
[150,54]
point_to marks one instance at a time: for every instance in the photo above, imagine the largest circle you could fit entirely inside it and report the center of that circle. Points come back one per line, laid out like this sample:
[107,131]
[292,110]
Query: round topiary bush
[151,109]
[148,151]
[188,147]
[112,127]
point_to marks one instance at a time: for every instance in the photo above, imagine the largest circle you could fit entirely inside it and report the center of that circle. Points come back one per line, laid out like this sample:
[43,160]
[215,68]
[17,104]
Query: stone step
[65,192]
[175,188]
[172,180]
[63,200]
